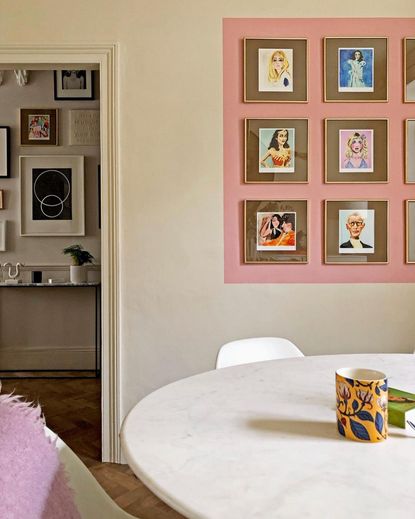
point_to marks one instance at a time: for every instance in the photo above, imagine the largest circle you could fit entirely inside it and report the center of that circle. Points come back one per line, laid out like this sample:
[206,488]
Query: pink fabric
[235,110]
[33,484]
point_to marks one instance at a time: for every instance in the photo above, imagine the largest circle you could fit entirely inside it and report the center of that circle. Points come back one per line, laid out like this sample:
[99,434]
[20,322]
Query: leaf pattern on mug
[359,430]
[379,422]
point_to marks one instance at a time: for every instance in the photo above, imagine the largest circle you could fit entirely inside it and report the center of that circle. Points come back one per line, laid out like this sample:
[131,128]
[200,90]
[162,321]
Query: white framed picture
[73,84]
[52,195]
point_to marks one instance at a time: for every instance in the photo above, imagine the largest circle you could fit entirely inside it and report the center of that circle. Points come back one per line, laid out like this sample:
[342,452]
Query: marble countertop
[260,441]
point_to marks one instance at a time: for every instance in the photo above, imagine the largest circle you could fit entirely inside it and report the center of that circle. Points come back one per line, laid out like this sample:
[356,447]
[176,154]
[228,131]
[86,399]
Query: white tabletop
[260,441]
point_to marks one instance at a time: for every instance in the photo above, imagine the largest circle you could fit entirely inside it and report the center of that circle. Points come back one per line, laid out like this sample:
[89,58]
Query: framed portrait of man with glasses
[356,232]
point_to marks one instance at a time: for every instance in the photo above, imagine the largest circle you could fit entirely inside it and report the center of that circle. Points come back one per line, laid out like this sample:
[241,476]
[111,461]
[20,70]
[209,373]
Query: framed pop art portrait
[72,85]
[409,70]
[276,150]
[355,69]
[276,231]
[275,70]
[38,127]
[356,232]
[52,195]
[410,151]
[4,152]
[356,150]
[410,231]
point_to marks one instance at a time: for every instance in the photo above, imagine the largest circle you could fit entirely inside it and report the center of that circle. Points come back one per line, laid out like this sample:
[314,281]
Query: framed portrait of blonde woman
[275,70]
[276,231]
[355,69]
[356,151]
[409,70]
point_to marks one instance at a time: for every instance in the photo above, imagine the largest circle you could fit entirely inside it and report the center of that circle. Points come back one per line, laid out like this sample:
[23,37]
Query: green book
[401,409]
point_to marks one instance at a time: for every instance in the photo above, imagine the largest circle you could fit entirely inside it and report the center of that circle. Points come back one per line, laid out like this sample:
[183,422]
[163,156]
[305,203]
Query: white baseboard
[19,358]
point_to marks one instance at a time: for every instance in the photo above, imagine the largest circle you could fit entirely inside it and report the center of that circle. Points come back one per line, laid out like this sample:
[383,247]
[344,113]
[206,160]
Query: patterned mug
[362,404]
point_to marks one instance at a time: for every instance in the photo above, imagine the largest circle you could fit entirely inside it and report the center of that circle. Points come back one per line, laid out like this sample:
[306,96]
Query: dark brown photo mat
[380,155]
[252,174]
[331,232]
[331,69]
[409,66]
[24,127]
[251,208]
[410,231]
[251,92]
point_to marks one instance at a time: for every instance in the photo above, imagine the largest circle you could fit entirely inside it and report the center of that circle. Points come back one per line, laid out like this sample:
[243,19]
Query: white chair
[90,498]
[257,349]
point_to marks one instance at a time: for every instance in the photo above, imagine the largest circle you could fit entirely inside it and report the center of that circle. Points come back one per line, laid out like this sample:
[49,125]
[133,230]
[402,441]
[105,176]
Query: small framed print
[52,195]
[73,85]
[275,70]
[356,232]
[276,150]
[276,231]
[409,70]
[410,231]
[355,69]
[1,199]
[38,127]
[356,150]
[4,152]
[410,151]
[3,228]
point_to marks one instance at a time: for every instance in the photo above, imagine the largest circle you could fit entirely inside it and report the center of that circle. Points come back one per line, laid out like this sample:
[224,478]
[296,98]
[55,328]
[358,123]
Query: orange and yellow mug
[362,404]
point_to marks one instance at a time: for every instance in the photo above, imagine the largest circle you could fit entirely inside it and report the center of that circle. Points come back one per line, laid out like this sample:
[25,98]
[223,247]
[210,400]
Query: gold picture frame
[410,151]
[288,167]
[288,219]
[340,166]
[409,70]
[346,80]
[367,220]
[409,231]
[285,86]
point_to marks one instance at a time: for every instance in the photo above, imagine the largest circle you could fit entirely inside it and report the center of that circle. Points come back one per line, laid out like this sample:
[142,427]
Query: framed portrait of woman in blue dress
[355,69]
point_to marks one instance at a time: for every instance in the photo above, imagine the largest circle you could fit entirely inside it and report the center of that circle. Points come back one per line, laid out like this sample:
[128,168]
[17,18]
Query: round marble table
[260,441]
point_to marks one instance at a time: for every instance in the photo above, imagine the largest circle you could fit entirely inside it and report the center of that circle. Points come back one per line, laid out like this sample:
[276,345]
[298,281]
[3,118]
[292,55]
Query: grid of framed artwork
[356,150]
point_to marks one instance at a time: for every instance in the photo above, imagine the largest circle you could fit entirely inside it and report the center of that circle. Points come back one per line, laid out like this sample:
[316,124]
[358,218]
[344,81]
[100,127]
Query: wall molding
[50,358]
[105,57]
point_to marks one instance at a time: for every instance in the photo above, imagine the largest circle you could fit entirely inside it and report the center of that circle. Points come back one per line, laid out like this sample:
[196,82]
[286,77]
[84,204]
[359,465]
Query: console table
[97,315]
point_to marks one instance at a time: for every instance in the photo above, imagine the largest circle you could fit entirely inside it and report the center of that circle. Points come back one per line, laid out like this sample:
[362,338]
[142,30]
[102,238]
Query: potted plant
[80,257]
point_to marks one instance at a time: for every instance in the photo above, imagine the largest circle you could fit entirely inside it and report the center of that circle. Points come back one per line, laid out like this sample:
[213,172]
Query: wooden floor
[72,410]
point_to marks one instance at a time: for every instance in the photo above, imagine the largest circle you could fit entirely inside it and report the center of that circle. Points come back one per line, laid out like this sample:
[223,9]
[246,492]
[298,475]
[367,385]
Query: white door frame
[105,56]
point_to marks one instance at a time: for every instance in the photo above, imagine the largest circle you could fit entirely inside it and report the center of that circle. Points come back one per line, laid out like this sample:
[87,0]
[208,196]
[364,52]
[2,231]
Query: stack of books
[401,409]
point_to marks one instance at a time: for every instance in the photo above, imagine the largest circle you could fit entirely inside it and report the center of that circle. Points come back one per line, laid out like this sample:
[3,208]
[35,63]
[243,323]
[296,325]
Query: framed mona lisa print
[275,70]
[355,69]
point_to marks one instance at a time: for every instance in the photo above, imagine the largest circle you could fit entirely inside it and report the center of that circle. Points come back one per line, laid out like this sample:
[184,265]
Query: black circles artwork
[52,194]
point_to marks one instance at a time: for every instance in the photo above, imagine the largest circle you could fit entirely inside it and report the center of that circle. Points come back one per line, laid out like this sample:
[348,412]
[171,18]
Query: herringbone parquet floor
[72,410]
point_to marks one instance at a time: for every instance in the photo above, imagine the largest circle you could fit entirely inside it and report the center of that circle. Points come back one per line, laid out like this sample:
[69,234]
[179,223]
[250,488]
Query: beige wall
[176,310]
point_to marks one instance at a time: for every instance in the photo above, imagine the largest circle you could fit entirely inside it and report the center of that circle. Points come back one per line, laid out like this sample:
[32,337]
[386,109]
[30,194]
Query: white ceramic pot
[78,274]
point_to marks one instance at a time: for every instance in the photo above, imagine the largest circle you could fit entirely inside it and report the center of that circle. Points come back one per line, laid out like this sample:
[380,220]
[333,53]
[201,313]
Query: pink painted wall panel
[316,191]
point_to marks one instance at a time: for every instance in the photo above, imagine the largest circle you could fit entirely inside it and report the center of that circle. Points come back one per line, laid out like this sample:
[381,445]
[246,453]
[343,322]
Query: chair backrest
[256,349]
[90,498]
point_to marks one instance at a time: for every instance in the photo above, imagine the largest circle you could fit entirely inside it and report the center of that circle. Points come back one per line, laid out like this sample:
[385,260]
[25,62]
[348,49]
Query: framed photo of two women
[355,70]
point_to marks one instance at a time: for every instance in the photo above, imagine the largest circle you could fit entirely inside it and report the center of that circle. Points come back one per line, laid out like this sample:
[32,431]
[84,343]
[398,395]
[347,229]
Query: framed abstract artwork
[4,152]
[276,150]
[52,195]
[276,231]
[72,85]
[356,69]
[38,127]
[409,70]
[356,232]
[410,231]
[356,151]
[275,70]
